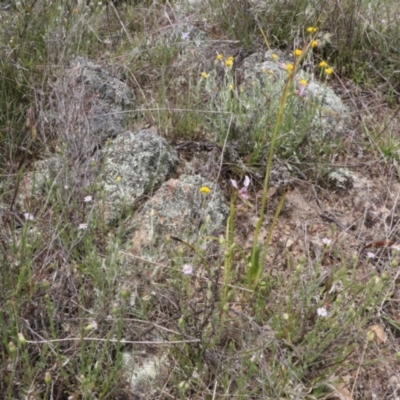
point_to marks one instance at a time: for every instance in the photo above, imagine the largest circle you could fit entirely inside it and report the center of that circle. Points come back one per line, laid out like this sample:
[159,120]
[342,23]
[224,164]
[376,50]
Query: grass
[288,302]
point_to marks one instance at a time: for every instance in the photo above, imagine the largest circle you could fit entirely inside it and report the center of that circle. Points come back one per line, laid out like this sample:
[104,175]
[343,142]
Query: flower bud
[21,339]
[47,378]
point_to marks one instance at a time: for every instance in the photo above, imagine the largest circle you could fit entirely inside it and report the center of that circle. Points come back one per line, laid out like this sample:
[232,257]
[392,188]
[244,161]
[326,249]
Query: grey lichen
[134,164]
[179,208]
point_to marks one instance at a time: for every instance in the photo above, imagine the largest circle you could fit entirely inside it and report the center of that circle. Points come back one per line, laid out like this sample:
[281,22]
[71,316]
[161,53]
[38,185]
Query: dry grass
[74,301]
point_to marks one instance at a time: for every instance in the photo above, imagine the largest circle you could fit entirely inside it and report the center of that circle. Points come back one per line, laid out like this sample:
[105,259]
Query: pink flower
[243,191]
[29,216]
[187,269]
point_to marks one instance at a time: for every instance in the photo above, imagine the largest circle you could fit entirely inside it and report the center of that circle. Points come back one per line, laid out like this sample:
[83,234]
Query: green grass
[245,323]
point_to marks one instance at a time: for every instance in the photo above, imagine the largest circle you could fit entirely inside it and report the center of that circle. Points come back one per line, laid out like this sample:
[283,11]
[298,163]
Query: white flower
[322,312]
[82,226]
[370,255]
[87,199]
[326,241]
[187,269]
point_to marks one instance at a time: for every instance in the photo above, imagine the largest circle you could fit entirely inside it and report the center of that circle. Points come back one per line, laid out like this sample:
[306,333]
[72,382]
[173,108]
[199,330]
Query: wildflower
[118,179]
[302,89]
[230,87]
[204,75]
[274,56]
[185,36]
[219,57]
[326,241]
[92,326]
[322,312]
[328,71]
[29,216]
[289,67]
[297,53]
[187,269]
[311,29]
[370,255]
[88,199]
[323,64]
[264,70]
[314,43]
[243,191]
[303,82]
[204,190]
[229,62]
[82,226]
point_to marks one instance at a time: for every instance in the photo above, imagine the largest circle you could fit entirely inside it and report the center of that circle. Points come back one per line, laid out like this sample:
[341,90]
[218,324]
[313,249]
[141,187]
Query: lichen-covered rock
[143,372]
[90,104]
[179,209]
[318,107]
[134,164]
[342,179]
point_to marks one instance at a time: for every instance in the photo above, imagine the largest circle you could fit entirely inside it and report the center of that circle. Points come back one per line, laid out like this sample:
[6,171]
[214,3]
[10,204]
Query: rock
[320,110]
[142,372]
[89,105]
[134,164]
[179,209]
[342,178]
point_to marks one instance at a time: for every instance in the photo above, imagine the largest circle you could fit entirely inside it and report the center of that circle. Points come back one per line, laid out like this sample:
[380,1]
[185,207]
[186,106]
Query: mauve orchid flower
[243,191]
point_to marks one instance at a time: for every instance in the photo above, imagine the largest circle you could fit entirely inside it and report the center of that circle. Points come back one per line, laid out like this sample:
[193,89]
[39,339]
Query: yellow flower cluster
[327,69]
[228,61]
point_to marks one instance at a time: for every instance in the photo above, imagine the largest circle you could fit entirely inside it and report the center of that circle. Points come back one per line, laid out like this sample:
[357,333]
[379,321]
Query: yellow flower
[314,43]
[204,75]
[323,64]
[119,179]
[328,71]
[264,70]
[219,57]
[311,29]
[297,53]
[289,67]
[229,61]
[230,87]
[303,82]
[204,190]
[274,56]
